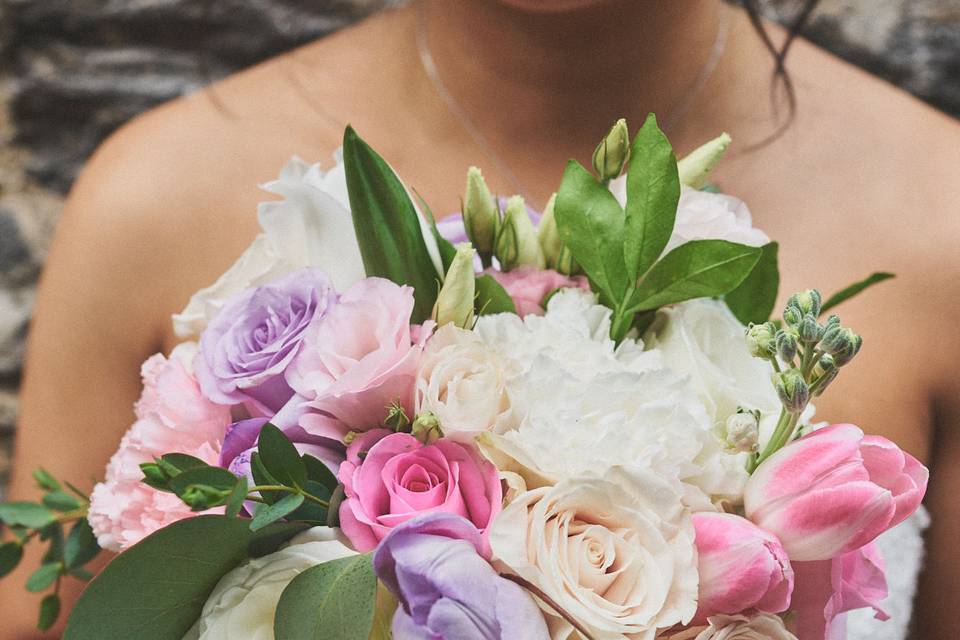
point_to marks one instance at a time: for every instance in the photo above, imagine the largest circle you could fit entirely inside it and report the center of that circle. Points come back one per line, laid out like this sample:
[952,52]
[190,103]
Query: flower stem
[260,488]
[550,602]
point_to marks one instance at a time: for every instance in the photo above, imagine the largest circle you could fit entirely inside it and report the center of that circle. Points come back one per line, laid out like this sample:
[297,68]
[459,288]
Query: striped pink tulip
[834,491]
[741,567]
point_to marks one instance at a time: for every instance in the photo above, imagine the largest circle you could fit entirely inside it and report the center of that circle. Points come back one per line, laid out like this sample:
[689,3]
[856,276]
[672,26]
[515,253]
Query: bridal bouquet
[580,423]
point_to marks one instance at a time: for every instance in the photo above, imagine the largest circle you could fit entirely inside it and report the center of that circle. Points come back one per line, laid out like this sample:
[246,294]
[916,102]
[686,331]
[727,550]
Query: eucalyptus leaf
[319,472]
[310,511]
[388,231]
[280,458]
[653,190]
[755,298]
[215,477]
[591,222]
[44,577]
[156,589]
[49,611]
[234,503]
[269,513]
[492,297]
[854,289]
[26,514]
[11,553]
[46,481]
[81,545]
[262,477]
[175,463]
[336,595]
[696,269]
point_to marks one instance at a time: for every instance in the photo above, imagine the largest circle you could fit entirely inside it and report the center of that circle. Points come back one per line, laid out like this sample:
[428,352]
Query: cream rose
[463,383]
[763,626]
[615,553]
[243,603]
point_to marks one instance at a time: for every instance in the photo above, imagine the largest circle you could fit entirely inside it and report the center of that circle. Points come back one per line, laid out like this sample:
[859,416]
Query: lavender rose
[446,589]
[247,348]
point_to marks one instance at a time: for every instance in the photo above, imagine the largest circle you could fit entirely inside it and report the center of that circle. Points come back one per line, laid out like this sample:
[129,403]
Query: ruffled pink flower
[173,416]
[834,491]
[741,567]
[828,588]
[354,363]
[390,478]
[528,286]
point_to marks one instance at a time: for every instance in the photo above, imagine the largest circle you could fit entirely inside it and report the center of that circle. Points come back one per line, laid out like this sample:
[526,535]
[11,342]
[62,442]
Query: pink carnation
[172,417]
[528,286]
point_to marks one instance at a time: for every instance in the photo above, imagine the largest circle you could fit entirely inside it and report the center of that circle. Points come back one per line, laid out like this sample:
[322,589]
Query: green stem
[260,488]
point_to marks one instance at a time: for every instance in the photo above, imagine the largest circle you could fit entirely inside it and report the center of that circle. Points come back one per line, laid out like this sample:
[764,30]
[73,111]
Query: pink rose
[528,286]
[355,362]
[172,417]
[834,491]
[741,567]
[826,589]
[400,478]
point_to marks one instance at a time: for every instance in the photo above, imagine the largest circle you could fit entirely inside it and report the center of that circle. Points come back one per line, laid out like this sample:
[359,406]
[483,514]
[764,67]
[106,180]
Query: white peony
[463,383]
[244,602]
[616,553]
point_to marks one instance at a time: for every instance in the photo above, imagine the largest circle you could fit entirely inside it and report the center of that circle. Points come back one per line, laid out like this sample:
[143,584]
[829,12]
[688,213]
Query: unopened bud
[456,298]
[397,419]
[808,302]
[200,497]
[612,152]
[809,331]
[841,343]
[741,432]
[792,317]
[480,216]
[556,255]
[787,345]
[761,339]
[792,390]
[426,428]
[695,168]
[517,243]
[153,475]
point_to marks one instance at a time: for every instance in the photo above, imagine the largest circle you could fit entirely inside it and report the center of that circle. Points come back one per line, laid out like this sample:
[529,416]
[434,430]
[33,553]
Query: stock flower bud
[792,317]
[761,338]
[517,242]
[612,152]
[809,302]
[696,167]
[792,390]
[480,216]
[787,345]
[841,343]
[809,331]
[741,432]
[455,301]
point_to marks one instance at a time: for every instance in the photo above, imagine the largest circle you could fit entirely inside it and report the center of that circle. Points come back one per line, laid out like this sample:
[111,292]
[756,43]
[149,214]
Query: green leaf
[174,463]
[216,477]
[385,220]
[268,540]
[280,458]
[44,577]
[53,533]
[26,514]
[49,611]
[336,595]
[310,511]
[11,553]
[319,472]
[237,497]
[696,269]
[492,297]
[270,513]
[653,190]
[46,481]
[81,546]
[591,224]
[755,298]
[854,289]
[263,477]
[81,574]
[156,589]
[61,501]
[447,250]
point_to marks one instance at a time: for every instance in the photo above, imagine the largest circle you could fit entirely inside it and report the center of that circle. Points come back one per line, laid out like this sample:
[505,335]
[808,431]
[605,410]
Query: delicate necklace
[673,117]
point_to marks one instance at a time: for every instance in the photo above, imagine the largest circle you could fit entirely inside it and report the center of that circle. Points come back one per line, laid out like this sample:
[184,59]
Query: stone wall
[74,70]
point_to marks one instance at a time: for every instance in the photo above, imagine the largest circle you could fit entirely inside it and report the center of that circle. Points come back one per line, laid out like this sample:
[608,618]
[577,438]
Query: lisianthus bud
[480,216]
[787,345]
[741,432]
[426,428]
[809,331]
[555,254]
[792,390]
[808,301]
[612,152]
[761,338]
[517,242]
[455,301]
[696,167]
[842,343]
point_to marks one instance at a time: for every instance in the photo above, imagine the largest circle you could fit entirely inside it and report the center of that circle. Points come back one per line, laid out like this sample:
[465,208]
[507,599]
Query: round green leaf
[11,553]
[49,611]
[26,514]
[43,577]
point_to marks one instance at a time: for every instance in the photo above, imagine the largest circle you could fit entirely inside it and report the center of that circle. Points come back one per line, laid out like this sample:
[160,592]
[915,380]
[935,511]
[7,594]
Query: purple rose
[247,348]
[446,589]
[241,442]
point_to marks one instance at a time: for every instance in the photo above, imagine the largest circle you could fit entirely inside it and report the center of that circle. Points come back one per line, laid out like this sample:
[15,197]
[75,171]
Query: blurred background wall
[74,70]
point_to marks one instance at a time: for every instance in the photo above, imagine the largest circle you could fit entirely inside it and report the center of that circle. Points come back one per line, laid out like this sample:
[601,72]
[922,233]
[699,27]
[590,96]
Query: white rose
[243,603]
[616,554]
[462,382]
[762,626]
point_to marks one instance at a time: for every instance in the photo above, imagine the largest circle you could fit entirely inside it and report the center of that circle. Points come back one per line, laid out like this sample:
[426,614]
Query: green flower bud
[517,243]
[480,216]
[741,432]
[153,475]
[808,302]
[825,364]
[787,345]
[397,419]
[696,167]
[792,316]
[426,428]
[809,331]
[612,152]
[761,339]
[555,254]
[792,390]
[200,497]
[456,298]
[824,378]
[842,343]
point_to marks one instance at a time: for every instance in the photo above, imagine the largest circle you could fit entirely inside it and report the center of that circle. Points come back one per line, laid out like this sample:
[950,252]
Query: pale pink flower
[834,491]
[172,417]
[528,286]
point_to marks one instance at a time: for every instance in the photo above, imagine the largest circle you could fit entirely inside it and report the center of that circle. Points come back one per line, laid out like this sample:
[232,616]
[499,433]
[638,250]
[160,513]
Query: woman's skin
[865,179]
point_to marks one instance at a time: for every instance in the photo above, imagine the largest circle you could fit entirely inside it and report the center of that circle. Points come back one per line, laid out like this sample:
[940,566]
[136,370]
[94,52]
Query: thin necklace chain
[671,119]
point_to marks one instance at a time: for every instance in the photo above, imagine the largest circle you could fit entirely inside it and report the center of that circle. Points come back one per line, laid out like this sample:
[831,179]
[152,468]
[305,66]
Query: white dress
[902,549]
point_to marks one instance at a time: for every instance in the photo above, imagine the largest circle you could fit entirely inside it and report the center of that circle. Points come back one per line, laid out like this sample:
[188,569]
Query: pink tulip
[834,491]
[741,567]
